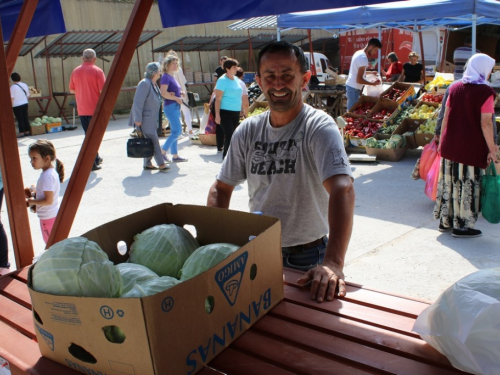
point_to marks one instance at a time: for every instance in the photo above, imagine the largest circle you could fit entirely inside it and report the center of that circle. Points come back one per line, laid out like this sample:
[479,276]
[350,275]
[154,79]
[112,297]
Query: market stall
[73,43]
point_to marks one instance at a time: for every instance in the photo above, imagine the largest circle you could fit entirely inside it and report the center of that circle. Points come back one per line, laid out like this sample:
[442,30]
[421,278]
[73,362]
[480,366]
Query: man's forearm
[340,218]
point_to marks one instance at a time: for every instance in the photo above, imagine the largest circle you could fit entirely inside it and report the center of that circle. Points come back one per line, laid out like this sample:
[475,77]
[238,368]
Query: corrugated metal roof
[28,45]
[269,22]
[327,44]
[105,42]
[220,43]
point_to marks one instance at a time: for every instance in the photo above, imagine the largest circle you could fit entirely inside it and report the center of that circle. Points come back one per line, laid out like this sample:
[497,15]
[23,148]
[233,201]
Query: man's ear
[306,78]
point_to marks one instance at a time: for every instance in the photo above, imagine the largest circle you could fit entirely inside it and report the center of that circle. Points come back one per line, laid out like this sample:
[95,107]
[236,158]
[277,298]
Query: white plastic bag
[375,91]
[464,323]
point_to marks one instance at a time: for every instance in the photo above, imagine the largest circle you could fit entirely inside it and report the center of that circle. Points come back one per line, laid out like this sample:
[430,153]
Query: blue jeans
[352,96]
[173,113]
[305,259]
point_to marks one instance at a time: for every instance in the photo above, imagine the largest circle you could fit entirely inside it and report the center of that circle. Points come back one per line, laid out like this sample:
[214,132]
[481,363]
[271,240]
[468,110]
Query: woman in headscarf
[144,114]
[466,147]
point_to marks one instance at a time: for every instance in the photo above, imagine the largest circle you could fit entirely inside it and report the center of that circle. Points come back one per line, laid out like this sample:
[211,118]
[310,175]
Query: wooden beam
[19,33]
[100,118]
[11,171]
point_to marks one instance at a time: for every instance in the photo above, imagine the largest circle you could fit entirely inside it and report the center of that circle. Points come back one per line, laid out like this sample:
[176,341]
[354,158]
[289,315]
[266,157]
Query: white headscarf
[478,69]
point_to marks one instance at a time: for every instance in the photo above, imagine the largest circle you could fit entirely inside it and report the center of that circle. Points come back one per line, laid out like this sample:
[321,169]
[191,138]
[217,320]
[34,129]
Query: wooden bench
[367,332]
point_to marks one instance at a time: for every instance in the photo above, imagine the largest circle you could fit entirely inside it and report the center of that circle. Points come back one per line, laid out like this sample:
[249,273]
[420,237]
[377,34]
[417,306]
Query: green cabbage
[150,287]
[76,267]
[134,273]
[163,249]
[205,258]
[371,142]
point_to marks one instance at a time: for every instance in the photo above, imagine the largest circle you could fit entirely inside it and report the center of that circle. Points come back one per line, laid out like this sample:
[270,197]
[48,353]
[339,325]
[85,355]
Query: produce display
[404,113]
[34,91]
[383,114]
[431,98]
[363,108]
[45,120]
[393,94]
[389,129]
[257,111]
[423,112]
[79,267]
[254,91]
[396,141]
[438,81]
[364,129]
[428,127]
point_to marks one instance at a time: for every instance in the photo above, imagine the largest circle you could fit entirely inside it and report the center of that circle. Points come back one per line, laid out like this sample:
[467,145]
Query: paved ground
[395,245]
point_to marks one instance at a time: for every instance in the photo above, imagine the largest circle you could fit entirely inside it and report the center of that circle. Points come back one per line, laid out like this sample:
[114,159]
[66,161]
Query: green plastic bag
[490,195]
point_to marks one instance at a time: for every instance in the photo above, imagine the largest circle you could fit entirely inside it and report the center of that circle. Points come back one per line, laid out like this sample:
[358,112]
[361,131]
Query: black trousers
[229,120]
[85,120]
[21,113]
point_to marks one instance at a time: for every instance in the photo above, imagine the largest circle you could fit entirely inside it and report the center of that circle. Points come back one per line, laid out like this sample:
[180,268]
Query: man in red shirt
[87,82]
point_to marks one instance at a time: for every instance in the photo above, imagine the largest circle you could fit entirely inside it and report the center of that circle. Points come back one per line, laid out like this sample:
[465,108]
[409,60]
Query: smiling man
[297,170]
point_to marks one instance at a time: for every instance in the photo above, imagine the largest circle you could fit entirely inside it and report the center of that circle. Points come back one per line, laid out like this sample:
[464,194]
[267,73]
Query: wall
[114,15]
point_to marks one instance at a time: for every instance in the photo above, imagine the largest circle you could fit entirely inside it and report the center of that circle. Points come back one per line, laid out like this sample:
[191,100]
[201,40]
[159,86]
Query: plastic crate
[248,77]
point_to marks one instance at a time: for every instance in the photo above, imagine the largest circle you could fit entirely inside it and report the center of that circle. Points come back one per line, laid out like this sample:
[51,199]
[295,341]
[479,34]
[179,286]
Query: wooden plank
[367,297]
[231,361]
[17,317]
[24,356]
[365,334]
[15,290]
[294,359]
[382,319]
[330,346]
[21,274]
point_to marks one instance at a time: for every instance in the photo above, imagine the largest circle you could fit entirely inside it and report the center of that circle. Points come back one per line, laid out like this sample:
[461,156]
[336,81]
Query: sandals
[150,168]
[178,159]
[164,169]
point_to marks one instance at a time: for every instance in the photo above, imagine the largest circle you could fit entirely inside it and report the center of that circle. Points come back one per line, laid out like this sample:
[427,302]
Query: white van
[322,63]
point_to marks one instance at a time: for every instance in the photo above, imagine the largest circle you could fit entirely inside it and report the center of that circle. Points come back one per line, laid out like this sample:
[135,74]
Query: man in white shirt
[356,79]
[19,93]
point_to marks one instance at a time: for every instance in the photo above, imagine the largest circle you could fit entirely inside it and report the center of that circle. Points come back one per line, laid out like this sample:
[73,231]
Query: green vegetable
[163,249]
[77,267]
[150,287]
[205,258]
[134,273]
[371,142]
[114,334]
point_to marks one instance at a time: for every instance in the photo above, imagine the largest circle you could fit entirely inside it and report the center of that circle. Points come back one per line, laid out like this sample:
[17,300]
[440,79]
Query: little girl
[42,153]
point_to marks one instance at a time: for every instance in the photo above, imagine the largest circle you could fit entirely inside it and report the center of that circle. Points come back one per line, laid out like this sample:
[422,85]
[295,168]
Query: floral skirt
[458,198]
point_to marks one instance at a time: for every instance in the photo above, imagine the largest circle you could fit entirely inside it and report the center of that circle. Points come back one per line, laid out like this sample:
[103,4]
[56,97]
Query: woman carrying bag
[144,114]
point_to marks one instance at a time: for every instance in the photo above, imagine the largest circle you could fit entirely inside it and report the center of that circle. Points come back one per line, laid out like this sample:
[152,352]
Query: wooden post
[19,33]
[423,58]
[100,118]
[11,170]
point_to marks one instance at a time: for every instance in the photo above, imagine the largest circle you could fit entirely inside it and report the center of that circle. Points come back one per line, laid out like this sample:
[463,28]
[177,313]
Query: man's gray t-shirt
[285,168]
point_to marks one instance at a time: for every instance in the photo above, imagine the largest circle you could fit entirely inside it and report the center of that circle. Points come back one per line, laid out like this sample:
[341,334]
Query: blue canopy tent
[413,14]
[172,14]
[47,20]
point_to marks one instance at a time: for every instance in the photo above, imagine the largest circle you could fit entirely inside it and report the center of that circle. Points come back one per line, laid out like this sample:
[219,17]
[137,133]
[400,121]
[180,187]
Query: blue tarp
[47,20]
[400,14]
[190,12]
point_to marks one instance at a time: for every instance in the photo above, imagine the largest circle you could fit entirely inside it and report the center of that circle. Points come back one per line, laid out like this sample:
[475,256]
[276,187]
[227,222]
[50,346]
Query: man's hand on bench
[325,279]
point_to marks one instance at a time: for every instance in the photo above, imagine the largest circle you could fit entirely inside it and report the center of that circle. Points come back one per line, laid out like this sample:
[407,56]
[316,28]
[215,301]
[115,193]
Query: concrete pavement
[395,244]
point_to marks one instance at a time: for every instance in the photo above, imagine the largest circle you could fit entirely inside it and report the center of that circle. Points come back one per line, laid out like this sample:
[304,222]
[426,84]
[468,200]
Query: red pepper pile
[383,114]
[361,128]
[430,98]
[394,94]
[363,108]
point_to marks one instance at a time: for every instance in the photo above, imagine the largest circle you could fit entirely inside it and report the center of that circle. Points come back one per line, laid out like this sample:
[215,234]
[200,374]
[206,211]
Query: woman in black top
[412,71]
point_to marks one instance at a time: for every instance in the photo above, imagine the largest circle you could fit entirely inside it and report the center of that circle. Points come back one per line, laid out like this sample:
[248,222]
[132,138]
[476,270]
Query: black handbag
[140,147]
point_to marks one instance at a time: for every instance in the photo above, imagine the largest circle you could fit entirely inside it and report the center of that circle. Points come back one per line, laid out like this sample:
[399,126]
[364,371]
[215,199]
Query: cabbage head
[77,267]
[150,287]
[163,249]
[134,273]
[204,258]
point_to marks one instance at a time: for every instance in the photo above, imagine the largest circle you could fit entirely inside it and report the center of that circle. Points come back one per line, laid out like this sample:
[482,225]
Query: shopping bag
[211,125]
[429,153]
[431,182]
[204,122]
[464,323]
[140,147]
[490,195]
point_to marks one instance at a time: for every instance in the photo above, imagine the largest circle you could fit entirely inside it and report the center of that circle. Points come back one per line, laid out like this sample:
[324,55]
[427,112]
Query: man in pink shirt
[87,82]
